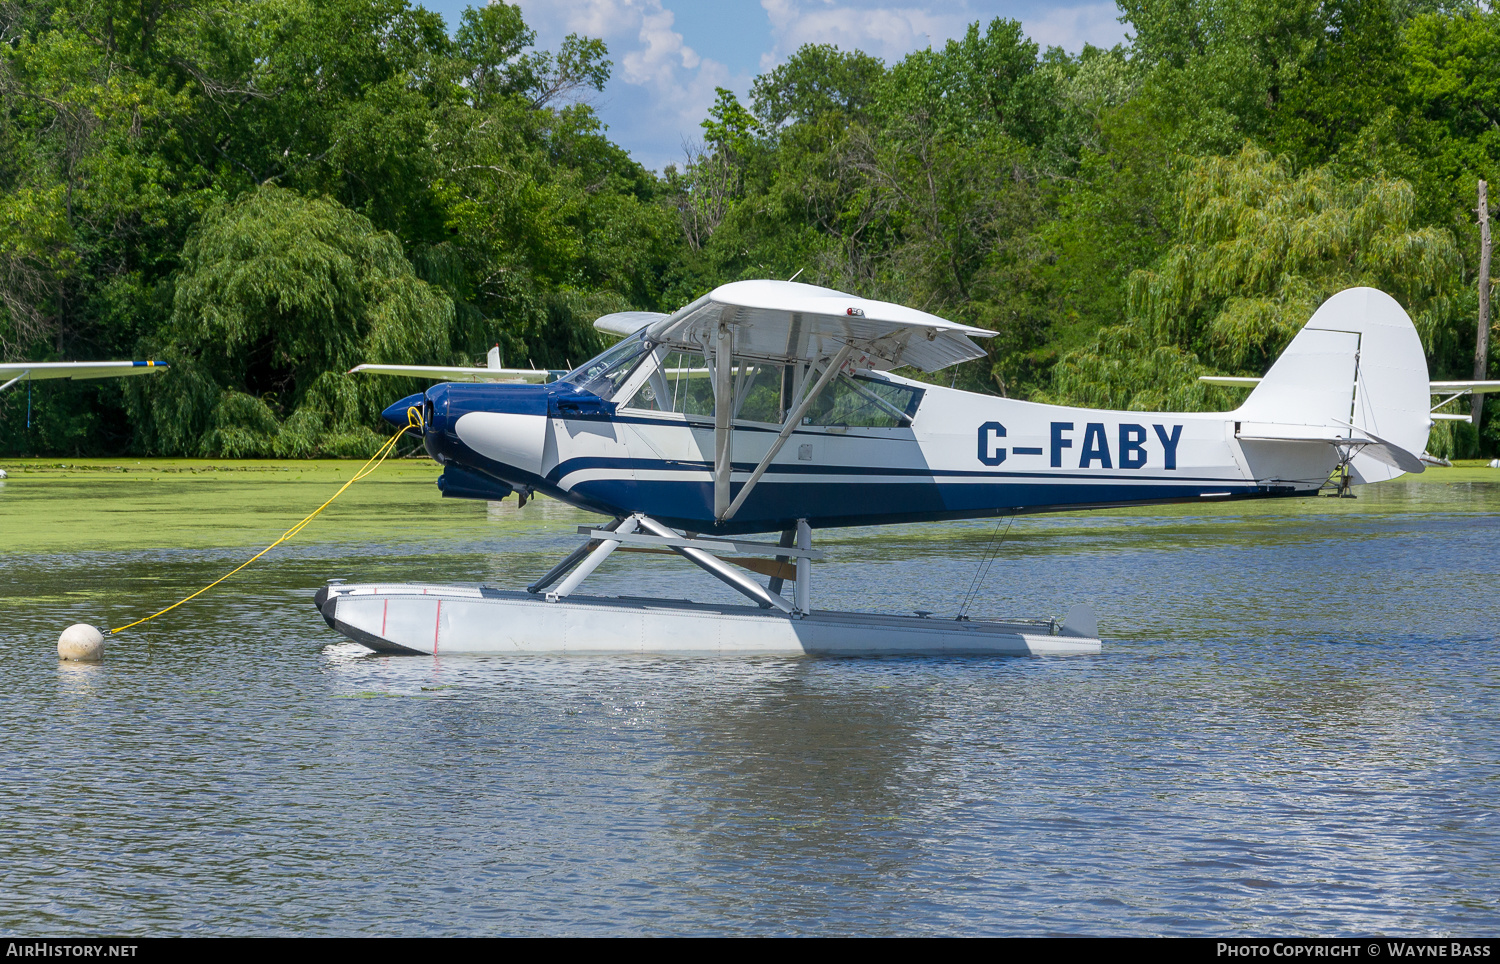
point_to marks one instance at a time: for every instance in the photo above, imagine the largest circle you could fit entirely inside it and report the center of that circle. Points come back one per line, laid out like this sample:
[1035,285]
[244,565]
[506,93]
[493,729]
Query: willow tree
[279,296]
[1258,250]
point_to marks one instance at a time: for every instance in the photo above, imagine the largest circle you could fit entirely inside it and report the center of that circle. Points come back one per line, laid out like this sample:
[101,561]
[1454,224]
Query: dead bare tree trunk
[1482,339]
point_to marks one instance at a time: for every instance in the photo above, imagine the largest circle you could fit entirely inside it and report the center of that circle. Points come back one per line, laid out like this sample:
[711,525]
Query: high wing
[788,321]
[627,322]
[12,372]
[490,373]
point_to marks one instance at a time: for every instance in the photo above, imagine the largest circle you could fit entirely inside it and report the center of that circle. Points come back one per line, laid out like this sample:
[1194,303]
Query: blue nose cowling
[396,413]
[442,404]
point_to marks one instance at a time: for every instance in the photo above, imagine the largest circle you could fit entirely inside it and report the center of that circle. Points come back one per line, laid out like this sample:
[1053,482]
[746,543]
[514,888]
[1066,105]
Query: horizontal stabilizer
[1394,456]
[1382,450]
[1279,432]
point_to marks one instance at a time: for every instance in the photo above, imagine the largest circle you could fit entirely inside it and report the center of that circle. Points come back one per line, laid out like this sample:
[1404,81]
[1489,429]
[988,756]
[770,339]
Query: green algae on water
[50,505]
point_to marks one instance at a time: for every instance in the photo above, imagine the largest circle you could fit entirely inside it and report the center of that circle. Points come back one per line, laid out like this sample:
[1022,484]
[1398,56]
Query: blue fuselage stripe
[564,469]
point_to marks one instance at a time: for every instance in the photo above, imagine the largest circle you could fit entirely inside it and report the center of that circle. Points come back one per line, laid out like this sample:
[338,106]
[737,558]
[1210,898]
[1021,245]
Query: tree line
[264,193]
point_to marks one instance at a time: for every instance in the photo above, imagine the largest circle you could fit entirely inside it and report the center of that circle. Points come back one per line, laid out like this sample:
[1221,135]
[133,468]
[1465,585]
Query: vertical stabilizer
[1360,361]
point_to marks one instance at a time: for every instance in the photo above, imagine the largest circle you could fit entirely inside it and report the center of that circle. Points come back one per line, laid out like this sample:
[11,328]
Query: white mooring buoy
[81,643]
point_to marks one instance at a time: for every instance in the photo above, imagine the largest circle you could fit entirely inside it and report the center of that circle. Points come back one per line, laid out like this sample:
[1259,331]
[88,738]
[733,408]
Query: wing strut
[793,419]
[723,415]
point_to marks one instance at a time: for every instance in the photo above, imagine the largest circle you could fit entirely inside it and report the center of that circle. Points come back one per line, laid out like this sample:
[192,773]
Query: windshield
[604,374]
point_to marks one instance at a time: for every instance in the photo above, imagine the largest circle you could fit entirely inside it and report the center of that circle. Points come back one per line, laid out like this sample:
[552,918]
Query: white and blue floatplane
[771,407]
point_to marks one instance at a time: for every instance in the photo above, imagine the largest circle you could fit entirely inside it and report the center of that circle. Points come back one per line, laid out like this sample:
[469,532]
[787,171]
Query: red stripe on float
[436,625]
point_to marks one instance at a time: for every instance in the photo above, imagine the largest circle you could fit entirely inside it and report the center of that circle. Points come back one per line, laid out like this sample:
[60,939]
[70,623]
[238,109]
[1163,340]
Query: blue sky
[669,55]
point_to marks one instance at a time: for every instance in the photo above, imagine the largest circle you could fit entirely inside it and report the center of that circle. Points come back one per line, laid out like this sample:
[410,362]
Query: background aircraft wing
[531,376]
[1233,381]
[1473,388]
[1437,388]
[38,371]
[1455,389]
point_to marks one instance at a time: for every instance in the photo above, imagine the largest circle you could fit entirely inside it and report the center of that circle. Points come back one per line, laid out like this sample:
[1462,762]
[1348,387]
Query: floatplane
[773,407]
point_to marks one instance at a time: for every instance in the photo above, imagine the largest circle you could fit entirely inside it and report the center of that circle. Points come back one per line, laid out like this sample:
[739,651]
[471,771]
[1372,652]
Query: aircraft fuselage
[954,455]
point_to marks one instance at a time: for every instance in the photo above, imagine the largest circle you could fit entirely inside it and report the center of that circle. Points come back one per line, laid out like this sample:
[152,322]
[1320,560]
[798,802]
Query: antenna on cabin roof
[794,277]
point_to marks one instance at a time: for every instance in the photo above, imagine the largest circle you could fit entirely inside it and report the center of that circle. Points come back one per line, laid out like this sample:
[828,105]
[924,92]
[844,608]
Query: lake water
[1294,728]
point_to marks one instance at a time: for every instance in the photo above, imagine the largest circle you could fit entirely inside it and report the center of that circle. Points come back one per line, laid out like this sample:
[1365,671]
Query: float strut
[788,539]
[803,593]
[713,565]
[592,562]
[566,566]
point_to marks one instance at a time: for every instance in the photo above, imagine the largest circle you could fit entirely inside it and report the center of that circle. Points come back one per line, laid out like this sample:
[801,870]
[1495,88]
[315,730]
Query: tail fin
[1358,364]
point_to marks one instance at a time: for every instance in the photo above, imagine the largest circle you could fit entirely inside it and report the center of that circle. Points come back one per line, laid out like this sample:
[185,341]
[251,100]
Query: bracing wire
[986,562]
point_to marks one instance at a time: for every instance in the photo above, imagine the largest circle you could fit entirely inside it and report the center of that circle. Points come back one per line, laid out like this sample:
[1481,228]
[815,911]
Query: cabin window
[764,391]
[680,384]
[683,384]
[758,392]
[604,374]
[859,401]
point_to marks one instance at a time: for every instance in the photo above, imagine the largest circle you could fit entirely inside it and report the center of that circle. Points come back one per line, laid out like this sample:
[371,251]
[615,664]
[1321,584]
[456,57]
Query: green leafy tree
[496,42]
[1260,249]
[280,295]
[816,82]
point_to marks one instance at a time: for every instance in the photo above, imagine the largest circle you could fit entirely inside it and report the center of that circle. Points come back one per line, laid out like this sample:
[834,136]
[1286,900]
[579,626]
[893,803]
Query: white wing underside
[787,321]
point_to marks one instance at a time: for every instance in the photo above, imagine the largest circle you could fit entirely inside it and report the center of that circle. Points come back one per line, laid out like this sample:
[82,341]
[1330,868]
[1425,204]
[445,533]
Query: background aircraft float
[770,406]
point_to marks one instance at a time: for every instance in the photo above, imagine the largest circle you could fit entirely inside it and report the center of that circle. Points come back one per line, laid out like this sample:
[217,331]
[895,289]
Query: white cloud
[661,48]
[892,31]
[1072,27]
[649,54]
[886,32]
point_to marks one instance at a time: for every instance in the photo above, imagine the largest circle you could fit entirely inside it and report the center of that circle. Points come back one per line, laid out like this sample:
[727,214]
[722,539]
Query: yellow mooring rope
[413,420]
